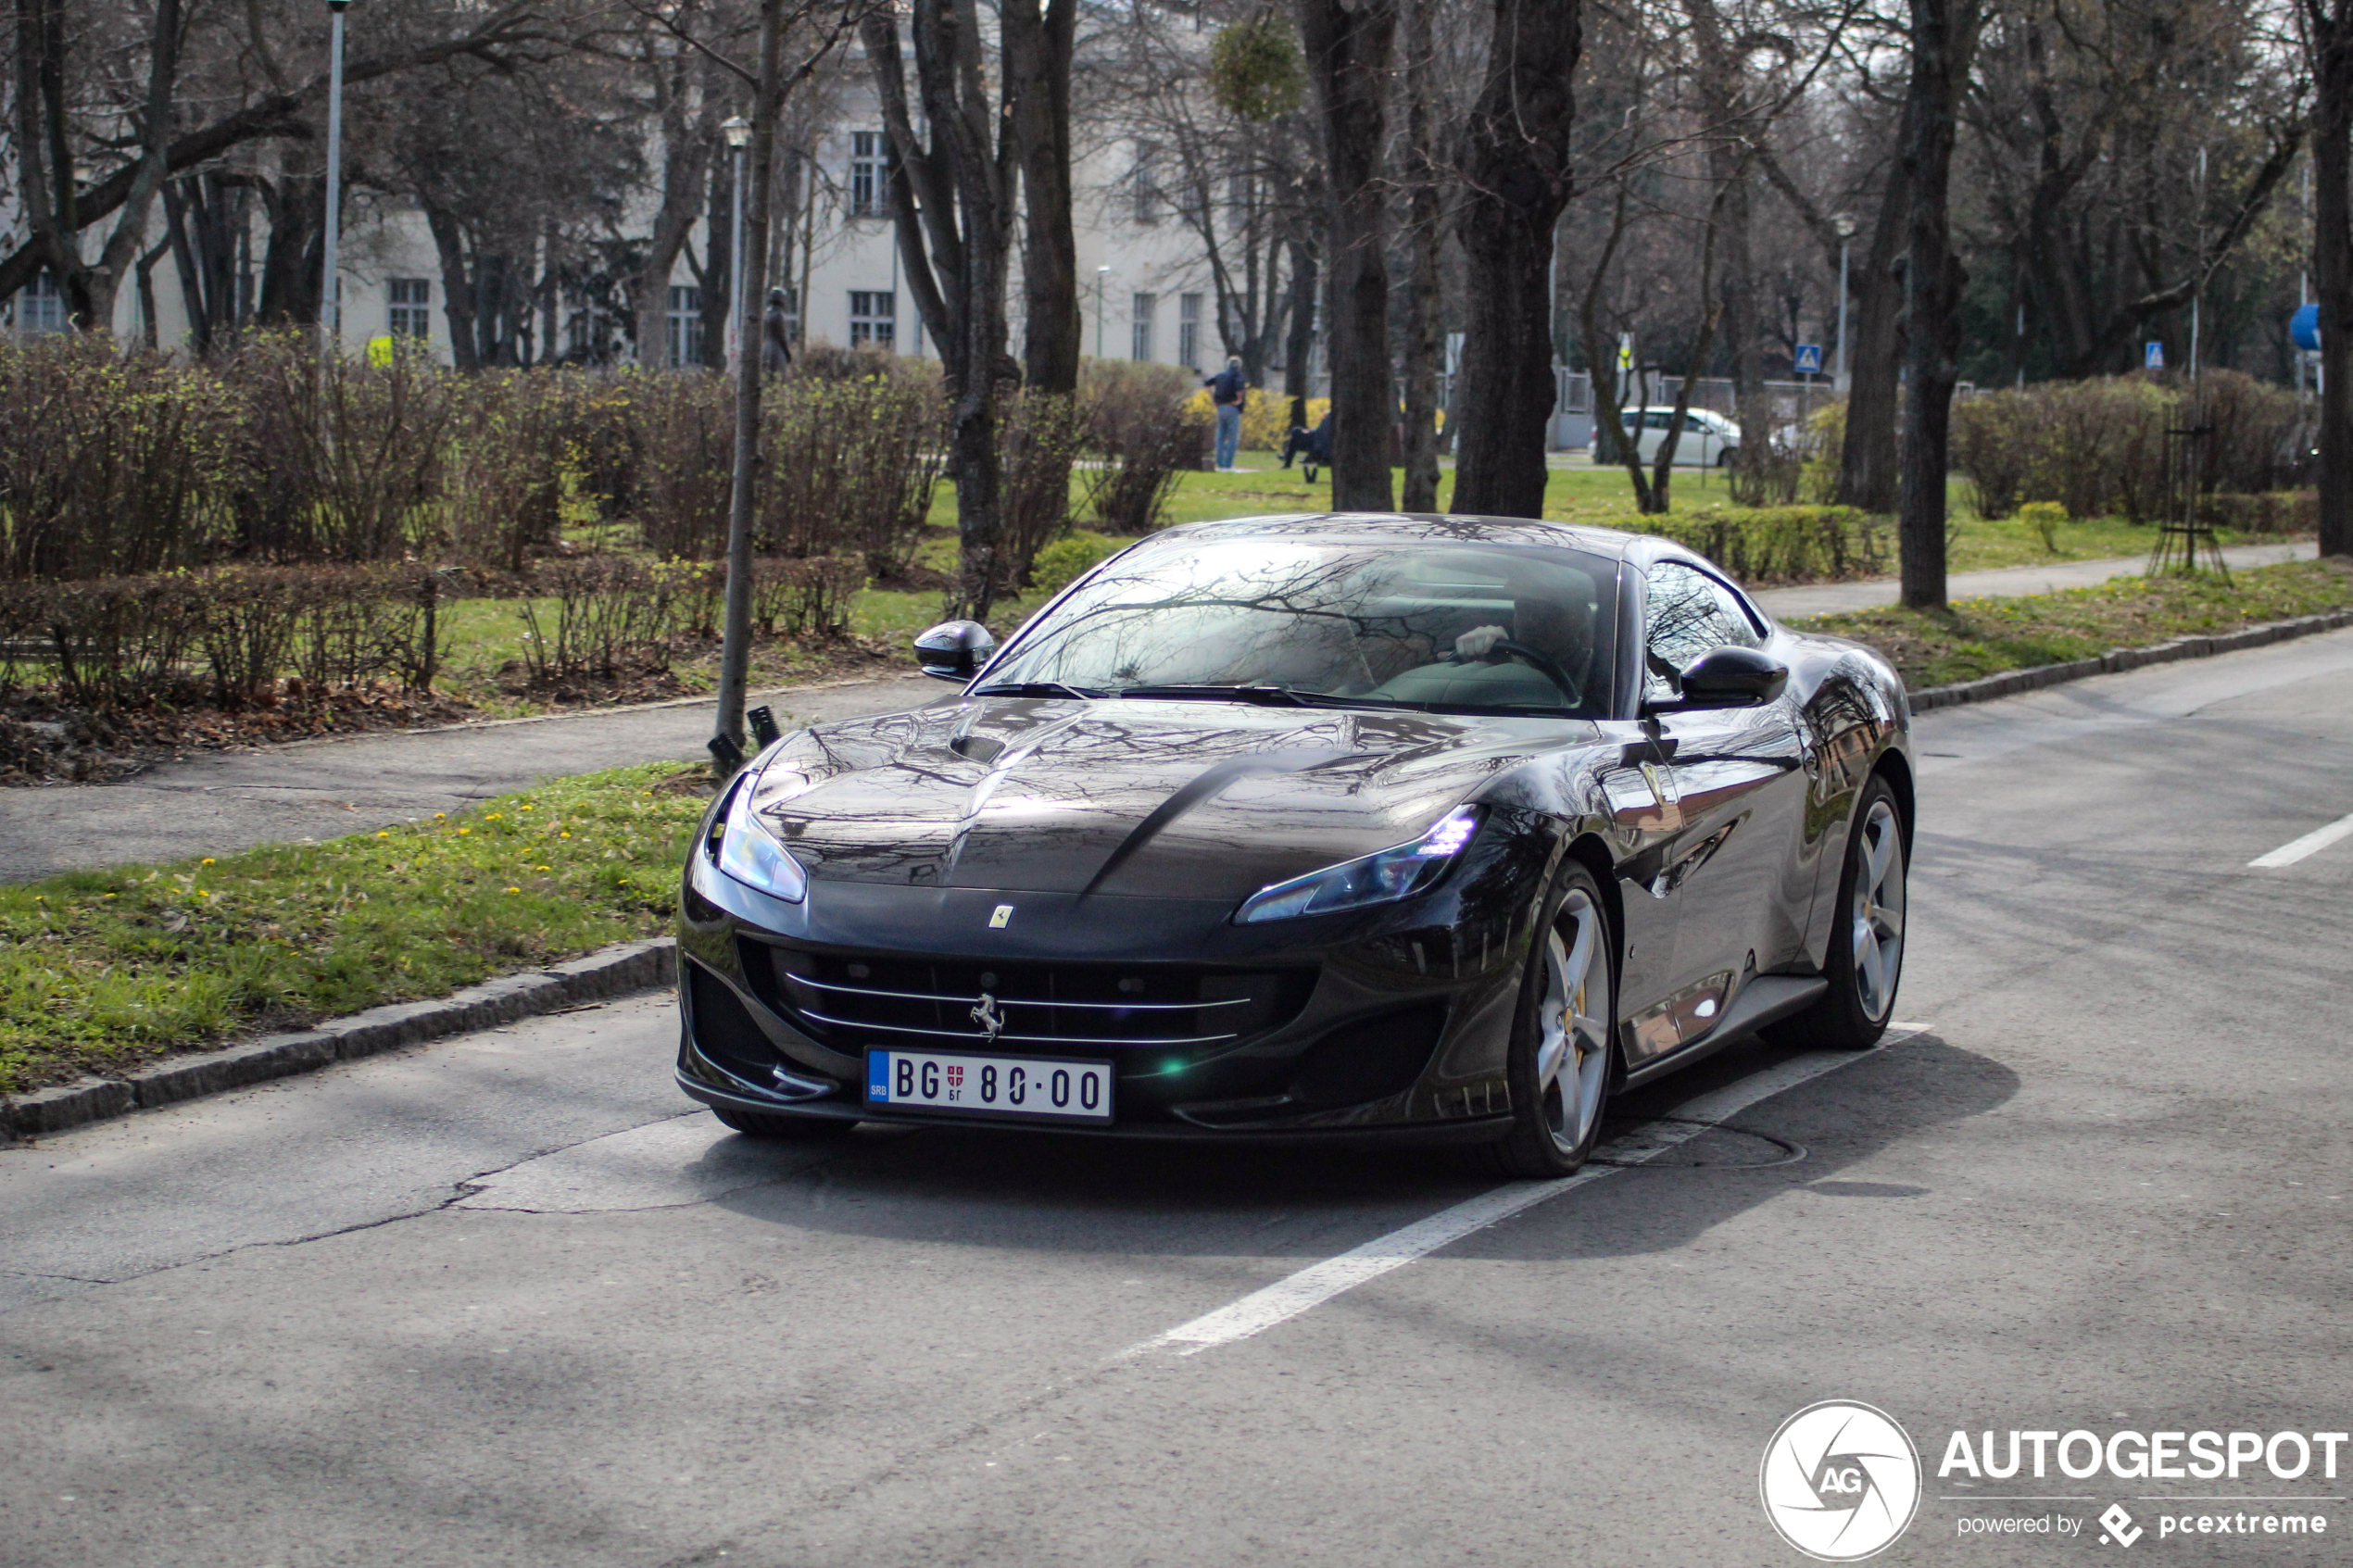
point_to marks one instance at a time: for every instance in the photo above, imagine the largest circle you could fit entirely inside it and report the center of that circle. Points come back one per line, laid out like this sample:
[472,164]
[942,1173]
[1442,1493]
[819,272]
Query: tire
[1724,458]
[1564,1040]
[1866,962]
[802,1129]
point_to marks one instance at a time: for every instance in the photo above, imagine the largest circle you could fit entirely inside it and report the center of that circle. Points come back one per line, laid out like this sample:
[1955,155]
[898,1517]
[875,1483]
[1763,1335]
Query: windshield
[1446,627]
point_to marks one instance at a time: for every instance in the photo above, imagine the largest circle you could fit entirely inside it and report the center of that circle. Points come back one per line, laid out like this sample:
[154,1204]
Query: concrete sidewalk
[349,784]
[1831,598]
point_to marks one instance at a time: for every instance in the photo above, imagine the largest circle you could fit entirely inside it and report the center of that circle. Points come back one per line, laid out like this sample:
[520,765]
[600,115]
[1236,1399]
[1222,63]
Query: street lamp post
[738,133]
[1844,226]
[734,645]
[1101,272]
[330,305]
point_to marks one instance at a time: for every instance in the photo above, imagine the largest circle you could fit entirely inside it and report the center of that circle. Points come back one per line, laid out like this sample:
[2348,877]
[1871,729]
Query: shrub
[810,596]
[684,452]
[112,641]
[1145,434]
[1766,472]
[510,452]
[340,459]
[1827,428]
[2044,518]
[613,614]
[849,466]
[1265,415]
[1994,450]
[1042,438]
[109,464]
[2257,445]
[1783,543]
[1063,562]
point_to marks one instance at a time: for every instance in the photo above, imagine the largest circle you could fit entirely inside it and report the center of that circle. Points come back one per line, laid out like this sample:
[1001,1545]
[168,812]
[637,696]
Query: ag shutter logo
[1840,1481]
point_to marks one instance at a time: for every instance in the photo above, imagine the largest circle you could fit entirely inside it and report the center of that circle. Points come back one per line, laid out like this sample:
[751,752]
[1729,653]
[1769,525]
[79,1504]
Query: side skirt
[1765,1000]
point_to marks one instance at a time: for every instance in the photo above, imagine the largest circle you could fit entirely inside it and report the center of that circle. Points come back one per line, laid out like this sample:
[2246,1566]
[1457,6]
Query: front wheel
[1561,1061]
[1865,961]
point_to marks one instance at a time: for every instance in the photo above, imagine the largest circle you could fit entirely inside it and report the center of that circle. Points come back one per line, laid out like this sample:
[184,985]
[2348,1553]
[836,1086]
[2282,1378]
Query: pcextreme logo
[1841,1481]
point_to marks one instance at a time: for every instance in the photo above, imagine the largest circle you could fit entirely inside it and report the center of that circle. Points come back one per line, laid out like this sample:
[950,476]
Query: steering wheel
[1543,663]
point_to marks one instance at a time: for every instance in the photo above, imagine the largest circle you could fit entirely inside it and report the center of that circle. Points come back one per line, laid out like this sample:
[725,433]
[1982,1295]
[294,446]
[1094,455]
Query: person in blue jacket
[1226,392]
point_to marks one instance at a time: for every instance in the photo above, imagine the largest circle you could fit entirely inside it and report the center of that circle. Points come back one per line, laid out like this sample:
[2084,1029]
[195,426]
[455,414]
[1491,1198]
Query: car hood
[1141,798]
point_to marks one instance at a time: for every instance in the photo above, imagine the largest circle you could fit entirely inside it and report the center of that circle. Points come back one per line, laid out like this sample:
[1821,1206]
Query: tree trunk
[457,289]
[2329,32]
[1038,57]
[686,170]
[296,257]
[1516,169]
[1348,52]
[1425,232]
[718,279]
[1868,476]
[127,242]
[1942,34]
[1299,349]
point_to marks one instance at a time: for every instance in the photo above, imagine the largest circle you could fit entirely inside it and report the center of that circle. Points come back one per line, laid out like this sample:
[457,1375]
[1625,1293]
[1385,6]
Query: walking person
[1226,392]
[776,349]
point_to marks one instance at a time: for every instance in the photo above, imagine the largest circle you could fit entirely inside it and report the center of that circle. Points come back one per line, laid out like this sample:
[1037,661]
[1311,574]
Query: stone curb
[630,966]
[2010,683]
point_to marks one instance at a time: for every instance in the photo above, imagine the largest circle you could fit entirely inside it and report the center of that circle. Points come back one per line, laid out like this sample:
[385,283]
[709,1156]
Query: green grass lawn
[105,971]
[1981,637]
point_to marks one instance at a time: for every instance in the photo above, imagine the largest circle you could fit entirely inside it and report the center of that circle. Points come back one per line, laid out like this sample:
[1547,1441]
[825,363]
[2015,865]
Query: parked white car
[1709,440]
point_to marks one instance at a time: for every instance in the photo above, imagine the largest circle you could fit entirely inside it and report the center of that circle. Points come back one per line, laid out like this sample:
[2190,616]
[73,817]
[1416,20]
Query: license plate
[1026,1088]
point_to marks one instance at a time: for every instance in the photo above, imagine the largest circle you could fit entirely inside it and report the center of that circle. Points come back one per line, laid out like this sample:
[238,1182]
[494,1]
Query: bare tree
[1349,44]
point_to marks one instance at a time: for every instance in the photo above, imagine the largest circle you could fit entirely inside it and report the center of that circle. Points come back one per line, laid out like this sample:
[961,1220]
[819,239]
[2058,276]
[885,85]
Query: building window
[1188,330]
[1145,183]
[409,314]
[869,174]
[873,318]
[685,327]
[41,306]
[1143,307]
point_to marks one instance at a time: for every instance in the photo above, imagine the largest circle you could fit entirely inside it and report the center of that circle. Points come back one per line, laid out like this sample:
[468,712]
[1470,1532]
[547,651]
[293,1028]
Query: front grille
[852,1001]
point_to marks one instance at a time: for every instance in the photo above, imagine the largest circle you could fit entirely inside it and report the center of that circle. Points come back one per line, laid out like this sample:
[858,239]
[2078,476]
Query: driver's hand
[1478,641]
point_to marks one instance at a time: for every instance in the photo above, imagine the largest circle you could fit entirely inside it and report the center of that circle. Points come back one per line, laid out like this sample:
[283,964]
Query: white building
[1144,286]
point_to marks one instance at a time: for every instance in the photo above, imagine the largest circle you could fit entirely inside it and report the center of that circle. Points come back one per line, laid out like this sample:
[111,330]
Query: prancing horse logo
[988,1018]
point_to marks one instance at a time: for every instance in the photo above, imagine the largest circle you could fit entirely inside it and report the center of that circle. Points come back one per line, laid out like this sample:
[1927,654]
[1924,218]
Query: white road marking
[666,1164]
[1314,1286]
[2310,843]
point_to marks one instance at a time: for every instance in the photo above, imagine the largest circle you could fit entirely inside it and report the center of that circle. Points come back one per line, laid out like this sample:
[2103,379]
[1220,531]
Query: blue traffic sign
[2153,356]
[1810,359]
[2305,327]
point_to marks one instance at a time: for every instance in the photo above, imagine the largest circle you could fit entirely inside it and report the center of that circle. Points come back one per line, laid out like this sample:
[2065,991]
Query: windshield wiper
[1037,688]
[1265,696]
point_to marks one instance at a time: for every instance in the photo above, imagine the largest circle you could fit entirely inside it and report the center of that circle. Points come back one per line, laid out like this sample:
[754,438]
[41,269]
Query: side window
[1686,613]
[1659,419]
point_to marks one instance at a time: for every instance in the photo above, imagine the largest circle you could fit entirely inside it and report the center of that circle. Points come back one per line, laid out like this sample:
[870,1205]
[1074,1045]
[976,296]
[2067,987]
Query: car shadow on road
[986,1188]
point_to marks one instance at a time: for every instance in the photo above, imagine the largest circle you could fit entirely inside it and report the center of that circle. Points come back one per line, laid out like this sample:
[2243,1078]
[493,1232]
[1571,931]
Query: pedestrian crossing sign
[1810,359]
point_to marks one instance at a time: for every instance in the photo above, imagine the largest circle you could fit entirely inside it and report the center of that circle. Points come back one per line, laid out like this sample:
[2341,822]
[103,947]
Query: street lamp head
[338,7]
[738,133]
[1101,270]
[1844,226]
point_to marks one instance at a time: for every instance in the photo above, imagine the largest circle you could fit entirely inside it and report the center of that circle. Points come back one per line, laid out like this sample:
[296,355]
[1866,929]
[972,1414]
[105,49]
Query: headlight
[1379,878]
[753,855]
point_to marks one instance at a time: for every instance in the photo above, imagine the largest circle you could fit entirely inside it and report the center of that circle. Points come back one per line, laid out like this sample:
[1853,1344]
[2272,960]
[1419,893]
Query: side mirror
[954,650]
[1732,677]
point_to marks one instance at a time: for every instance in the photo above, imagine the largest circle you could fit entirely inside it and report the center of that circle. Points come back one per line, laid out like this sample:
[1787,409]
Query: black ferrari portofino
[1311,827]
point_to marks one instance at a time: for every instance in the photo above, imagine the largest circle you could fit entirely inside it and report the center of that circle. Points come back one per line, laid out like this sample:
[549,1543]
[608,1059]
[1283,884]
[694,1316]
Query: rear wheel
[805,1129]
[1562,1045]
[1865,961]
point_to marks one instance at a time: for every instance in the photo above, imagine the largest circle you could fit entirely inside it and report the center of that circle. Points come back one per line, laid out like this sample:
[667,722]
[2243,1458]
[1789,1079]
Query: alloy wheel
[1878,923]
[1575,1023]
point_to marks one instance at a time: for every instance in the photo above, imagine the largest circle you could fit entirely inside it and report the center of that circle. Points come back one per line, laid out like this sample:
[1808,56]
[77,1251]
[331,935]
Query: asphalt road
[502,1301]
